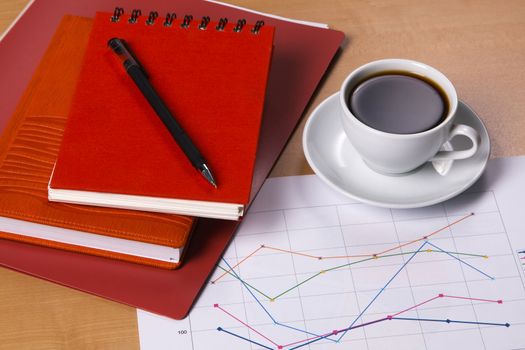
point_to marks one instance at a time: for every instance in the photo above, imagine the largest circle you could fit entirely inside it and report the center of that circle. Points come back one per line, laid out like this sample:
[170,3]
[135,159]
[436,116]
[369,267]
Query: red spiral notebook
[116,152]
[301,56]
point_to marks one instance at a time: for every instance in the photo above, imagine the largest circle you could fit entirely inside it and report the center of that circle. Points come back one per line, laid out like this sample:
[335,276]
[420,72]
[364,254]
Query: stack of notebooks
[94,192]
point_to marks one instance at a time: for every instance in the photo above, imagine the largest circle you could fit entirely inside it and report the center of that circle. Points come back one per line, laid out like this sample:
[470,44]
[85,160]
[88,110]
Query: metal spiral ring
[222,23]
[204,22]
[240,24]
[134,16]
[169,19]
[186,21]
[152,17]
[257,27]
[116,14]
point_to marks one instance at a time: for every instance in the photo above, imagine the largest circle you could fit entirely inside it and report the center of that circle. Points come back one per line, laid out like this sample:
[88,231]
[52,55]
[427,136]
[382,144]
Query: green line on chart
[345,265]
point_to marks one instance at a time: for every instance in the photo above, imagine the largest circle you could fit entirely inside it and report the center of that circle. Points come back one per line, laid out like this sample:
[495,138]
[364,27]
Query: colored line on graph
[451,321]
[240,262]
[383,288]
[308,341]
[264,309]
[220,329]
[245,324]
[351,326]
[288,290]
[388,317]
[342,330]
[462,261]
[319,337]
[373,255]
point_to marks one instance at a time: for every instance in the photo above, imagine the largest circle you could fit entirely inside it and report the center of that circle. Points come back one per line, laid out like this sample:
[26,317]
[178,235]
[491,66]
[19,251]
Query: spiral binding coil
[152,17]
[119,11]
[204,22]
[257,27]
[170,17]
[222,23]
[186,21]
[240,24]
[135,14]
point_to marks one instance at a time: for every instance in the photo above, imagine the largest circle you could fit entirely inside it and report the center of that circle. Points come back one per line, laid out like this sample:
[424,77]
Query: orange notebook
[28,151]
[116,152]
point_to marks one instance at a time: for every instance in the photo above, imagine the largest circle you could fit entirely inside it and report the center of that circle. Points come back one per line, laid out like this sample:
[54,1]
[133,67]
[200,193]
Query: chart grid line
[284,299]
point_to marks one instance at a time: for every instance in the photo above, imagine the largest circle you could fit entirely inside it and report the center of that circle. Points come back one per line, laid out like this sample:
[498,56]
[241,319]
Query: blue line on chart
[220,329]
[381,320]
[320,337]
[265,310]
[343,330]
[384,287]
[450,321]
[462,261]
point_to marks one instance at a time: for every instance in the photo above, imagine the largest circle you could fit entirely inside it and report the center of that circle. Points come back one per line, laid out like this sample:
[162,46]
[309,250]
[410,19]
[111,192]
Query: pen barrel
[176,131]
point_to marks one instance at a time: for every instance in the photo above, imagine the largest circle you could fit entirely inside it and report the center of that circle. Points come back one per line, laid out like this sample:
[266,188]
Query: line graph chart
[311,270]
[340,333]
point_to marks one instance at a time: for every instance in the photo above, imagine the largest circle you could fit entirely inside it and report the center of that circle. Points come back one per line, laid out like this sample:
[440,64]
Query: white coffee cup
[391,153]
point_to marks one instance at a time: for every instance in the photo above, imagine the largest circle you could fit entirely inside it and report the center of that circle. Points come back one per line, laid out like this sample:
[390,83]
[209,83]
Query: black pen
[139,76]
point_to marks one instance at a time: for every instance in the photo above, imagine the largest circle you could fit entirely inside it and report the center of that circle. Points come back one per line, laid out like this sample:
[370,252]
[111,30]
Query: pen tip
[205,171]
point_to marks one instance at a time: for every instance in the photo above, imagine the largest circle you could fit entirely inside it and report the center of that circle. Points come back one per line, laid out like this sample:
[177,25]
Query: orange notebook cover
[28,149]
[212,79]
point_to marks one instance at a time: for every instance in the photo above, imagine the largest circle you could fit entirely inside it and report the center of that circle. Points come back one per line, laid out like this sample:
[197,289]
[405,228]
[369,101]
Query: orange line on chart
[240,262]
[425,237]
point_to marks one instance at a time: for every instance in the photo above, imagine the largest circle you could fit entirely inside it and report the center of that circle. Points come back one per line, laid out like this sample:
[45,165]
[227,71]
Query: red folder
[301,56]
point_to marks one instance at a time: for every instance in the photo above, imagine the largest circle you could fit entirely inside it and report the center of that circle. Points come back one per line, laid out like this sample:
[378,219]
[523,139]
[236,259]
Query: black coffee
[399,103]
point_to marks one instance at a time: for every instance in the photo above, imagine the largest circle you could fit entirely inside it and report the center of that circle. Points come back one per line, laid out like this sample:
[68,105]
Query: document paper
[312,269]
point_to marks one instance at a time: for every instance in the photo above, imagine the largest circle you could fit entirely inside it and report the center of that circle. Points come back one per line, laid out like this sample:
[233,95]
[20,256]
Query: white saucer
[334,160]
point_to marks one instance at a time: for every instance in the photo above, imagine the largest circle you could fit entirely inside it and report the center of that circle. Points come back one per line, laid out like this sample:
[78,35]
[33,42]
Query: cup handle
[460,130]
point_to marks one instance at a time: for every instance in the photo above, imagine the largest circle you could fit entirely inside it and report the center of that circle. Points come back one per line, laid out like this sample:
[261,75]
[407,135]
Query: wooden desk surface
[479,45]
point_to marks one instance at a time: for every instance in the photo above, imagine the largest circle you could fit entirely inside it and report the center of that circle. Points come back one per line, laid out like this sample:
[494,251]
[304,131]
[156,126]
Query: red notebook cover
[301,56]
[214,83]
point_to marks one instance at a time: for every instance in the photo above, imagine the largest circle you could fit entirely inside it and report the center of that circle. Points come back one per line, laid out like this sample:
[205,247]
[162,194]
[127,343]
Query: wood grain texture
[478,44]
